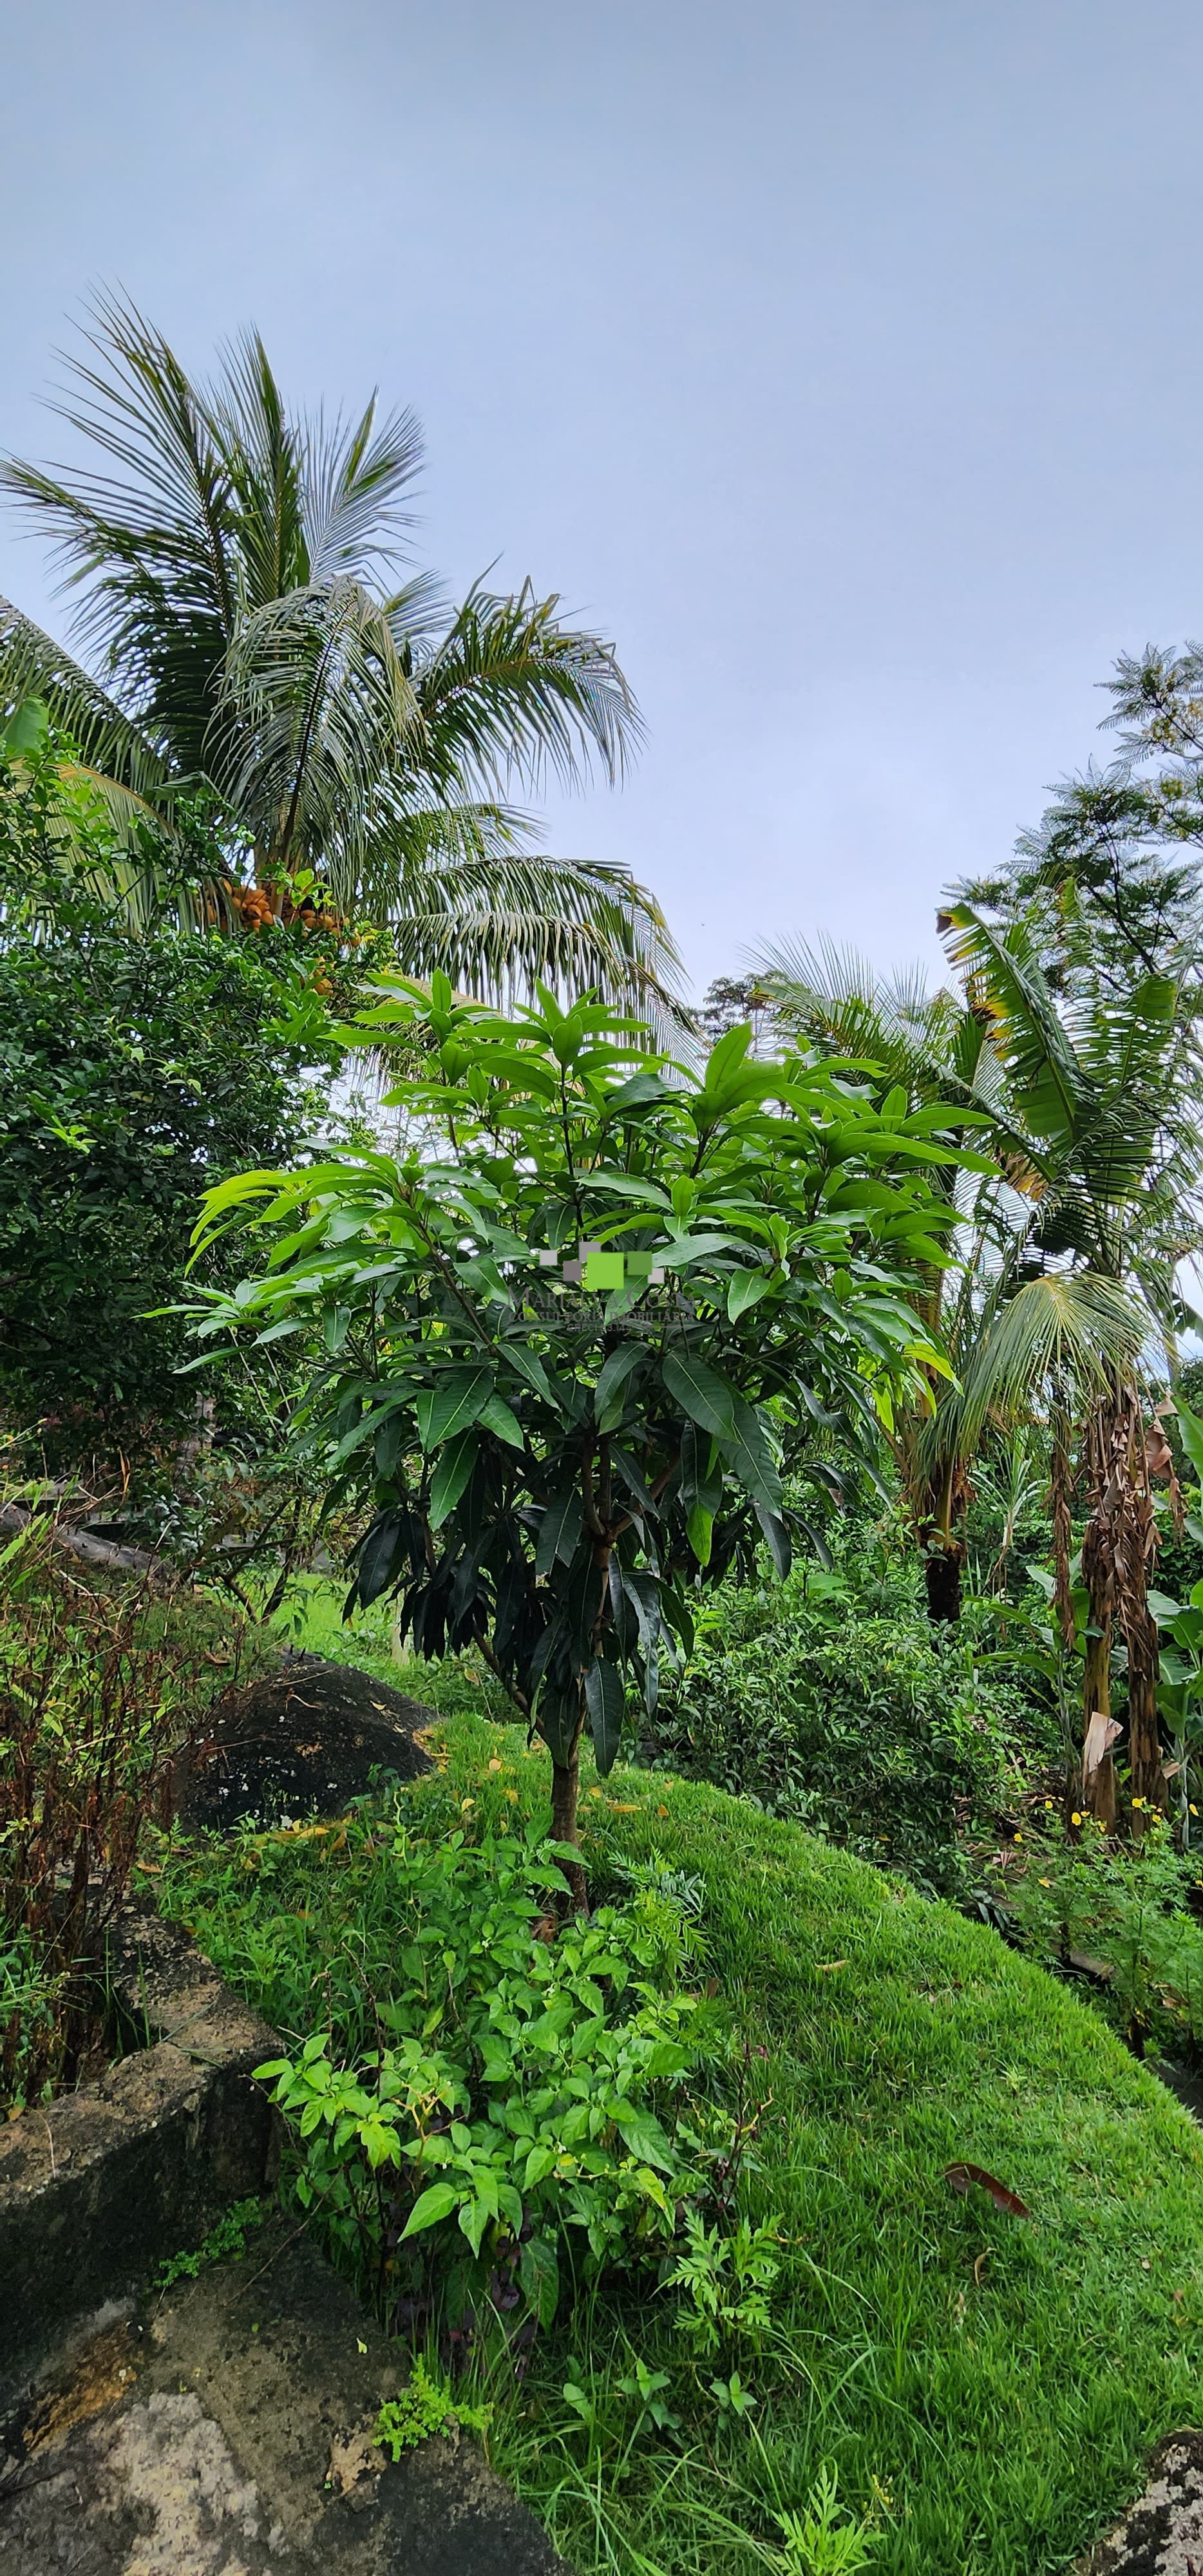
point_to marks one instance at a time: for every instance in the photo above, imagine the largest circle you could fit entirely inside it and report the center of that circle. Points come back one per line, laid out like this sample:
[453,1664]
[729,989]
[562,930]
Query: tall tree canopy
[246,623]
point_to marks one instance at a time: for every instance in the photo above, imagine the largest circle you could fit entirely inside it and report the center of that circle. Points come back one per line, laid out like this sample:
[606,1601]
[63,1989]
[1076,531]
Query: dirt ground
[300,1742]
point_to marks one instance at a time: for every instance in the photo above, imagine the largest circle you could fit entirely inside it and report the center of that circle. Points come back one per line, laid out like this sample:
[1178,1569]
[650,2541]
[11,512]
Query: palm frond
[1003,974]
[833,996]
[510,692]
[498,919]
[32,665]
[354,477]
[162,523]
[1067,1328]
[316,718]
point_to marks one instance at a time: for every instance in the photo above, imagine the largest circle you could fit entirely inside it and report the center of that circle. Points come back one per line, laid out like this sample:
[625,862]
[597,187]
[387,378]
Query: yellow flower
[1075,1819]
[1047,1804]
[1194,1811]
[1019,1838]
[1046,1882]
[1138,1802]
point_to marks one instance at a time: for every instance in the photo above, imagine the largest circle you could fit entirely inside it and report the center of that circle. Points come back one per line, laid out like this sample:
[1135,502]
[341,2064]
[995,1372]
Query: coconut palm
[243,627]
[1021,1338]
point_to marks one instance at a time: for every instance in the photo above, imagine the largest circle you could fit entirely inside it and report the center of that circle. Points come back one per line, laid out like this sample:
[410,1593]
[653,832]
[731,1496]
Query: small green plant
[226,2242]
[515,2116]
[732,2398]
[726,2281]
[821,2540]
[645,2387]
[425,2407]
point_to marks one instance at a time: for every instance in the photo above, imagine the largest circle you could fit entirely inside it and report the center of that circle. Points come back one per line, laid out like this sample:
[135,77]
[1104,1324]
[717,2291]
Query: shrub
[134,1071]
[879,1735]
[1125,1916]
[492,2104]
[92,1690]
[562,1453]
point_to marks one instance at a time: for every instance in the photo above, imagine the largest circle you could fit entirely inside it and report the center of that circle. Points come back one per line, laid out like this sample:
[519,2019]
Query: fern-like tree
[247,628]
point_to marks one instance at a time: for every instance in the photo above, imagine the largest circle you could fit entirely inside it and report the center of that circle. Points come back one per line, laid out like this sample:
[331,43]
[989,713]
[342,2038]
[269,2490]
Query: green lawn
[986,2385]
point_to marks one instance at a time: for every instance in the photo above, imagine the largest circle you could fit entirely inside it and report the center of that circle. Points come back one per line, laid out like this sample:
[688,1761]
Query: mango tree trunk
[565,1790]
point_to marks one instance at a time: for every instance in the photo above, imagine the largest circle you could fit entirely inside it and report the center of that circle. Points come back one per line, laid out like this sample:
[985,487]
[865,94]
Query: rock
[198,2438]
[1162,2533]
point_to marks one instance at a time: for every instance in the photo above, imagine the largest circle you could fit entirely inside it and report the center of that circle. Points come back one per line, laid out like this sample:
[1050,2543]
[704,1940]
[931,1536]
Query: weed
[426,2406]
[823,2540]
[226,2242]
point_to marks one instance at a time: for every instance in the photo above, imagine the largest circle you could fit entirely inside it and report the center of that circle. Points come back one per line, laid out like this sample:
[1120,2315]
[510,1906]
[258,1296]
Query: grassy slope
[998,2379]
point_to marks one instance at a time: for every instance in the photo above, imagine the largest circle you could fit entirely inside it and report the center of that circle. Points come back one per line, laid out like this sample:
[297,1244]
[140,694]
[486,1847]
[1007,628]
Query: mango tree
[601,1330]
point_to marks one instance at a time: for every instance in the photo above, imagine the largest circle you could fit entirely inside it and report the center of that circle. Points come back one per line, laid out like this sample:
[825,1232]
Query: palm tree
[1021,1339]
[1105,1089]
[244,630]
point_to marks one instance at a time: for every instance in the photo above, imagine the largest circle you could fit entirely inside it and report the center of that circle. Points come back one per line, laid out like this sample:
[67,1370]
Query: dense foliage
[562,1443]
[872,1728]
[140,1061]
[484,2112]
[133,1074]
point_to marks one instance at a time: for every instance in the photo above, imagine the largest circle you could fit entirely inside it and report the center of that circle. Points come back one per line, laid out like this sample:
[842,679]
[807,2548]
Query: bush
[133,1073]
[879,1735]
[92,1691]
[1126,1917]
[485,2101]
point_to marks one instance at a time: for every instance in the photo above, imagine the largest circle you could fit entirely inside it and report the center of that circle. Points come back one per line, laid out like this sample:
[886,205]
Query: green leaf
[1191,1427]
[453,1467]
[530,1367]
[458,1399]
[539,2274]
[609,1395]
[701,1393]
[778,1539]
[627,1469]
[474,2217]
[27,728]
[558,1720]
[380,1556]
[434,2204]
[642,2133]
[605,1699]
[559,1530]
[699,1529]
[495,1416]
[748,1453]
[746,1289]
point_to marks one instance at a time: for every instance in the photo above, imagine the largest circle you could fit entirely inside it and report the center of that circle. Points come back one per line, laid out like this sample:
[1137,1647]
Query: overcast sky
[842,359]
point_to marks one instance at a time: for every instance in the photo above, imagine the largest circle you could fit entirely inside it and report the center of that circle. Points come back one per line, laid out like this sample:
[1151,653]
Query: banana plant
[1180,1686]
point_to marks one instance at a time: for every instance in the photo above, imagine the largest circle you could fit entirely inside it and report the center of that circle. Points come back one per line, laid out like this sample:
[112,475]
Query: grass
[312,1621]
[985,2387]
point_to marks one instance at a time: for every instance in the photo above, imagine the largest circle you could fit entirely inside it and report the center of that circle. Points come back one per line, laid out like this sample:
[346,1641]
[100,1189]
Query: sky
[840,359]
